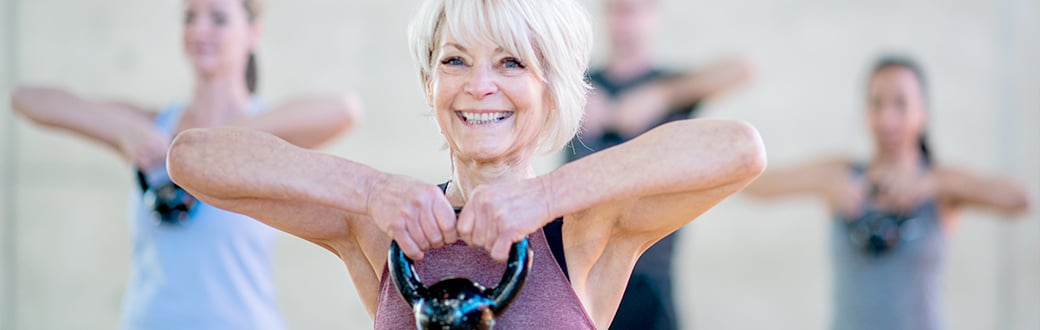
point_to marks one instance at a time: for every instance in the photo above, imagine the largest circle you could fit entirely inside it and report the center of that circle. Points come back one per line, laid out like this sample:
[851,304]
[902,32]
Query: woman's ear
[254,36]
[429,92]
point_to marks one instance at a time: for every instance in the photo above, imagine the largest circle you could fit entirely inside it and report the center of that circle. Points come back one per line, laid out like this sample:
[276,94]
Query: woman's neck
[905,159]
[467,175]
[217,101]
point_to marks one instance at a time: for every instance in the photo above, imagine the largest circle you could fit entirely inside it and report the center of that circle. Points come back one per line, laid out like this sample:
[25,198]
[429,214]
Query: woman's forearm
[1000,194]
[59,109]
[311,121]
[238,163]
[683,156]
[715,80]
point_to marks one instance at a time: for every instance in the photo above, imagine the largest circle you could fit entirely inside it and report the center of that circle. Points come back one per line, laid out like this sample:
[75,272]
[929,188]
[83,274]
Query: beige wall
[744,265]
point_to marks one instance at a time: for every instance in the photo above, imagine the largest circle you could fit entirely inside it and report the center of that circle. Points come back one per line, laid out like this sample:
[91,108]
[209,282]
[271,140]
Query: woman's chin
[483,151]
[205,66]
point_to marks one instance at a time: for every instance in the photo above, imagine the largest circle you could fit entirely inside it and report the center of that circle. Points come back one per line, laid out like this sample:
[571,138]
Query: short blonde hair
[553,37]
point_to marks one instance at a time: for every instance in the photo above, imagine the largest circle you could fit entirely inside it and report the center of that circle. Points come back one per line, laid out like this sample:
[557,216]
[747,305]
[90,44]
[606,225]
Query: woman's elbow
[181,156]
[1021,202]
[21,97]
[750,151]
[349,112]
[746,68]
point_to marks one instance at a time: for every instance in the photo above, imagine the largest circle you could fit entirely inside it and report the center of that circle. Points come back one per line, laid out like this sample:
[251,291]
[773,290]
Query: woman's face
[632,23]
[488,104]
[895,108]
[218,36]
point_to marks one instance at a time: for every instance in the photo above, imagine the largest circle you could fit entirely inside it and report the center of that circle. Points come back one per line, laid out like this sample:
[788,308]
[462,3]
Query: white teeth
[480,118]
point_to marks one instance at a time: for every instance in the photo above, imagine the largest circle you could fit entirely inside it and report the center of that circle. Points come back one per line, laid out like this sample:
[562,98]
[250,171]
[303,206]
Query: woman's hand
[415,214]
[902,192]
[846,196]
[144,147]
[498,215]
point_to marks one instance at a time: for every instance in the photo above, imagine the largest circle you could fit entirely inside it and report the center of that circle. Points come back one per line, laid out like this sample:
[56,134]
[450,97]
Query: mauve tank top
[547,300]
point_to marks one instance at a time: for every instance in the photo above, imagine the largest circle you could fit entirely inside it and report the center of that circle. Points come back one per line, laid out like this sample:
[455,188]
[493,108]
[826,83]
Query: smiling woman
[505,79]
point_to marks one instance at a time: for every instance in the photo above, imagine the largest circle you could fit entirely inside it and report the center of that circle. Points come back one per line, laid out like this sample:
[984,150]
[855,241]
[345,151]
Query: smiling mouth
[481,118]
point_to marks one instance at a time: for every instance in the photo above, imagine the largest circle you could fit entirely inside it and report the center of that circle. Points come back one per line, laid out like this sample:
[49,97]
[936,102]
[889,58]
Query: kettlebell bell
[455,302]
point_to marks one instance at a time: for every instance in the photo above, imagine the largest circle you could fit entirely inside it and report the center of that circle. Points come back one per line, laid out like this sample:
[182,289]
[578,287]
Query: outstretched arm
[645,188]
[315,196]
[663,179]
[814,178]
[639,109]
[126,129]
[829,179]
[715,80]
[964,188]
[309,121]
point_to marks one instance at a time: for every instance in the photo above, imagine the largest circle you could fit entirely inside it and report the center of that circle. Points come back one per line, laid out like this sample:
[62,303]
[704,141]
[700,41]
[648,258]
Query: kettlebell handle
[408,283]
[142,180]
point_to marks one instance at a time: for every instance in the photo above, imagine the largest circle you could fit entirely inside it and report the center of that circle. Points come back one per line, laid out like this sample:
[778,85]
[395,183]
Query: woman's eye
[219,19]
[512,63]
[189,17]
[452,61]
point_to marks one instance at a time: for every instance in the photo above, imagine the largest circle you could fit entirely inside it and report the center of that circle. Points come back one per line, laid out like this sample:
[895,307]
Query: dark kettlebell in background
[168,201]
[459,303]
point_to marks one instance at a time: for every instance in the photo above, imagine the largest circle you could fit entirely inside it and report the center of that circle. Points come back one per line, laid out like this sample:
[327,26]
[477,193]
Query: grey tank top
[897,289]
[547,300]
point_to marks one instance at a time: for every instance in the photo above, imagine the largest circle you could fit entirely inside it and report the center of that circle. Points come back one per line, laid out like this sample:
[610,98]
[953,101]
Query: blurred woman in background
[195,266]
[631,95]
[893,211]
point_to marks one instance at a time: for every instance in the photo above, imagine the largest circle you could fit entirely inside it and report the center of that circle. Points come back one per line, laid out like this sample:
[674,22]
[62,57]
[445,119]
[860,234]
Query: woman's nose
[197,28]
[482,82]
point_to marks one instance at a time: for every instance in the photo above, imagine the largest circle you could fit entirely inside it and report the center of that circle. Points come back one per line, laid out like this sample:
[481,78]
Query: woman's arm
[815,178]
[713,81]
[309,121]
[663,179]
[651,185]
[829,179]
[125,129]
[309,194]
[643,107]
[965,188]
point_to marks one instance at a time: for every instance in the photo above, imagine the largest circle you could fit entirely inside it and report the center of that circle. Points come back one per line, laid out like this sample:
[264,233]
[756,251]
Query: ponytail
[253,10]
[926,154]
[251,73]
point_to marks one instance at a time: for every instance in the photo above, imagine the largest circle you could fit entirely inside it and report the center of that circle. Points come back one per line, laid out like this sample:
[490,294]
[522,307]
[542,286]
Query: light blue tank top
[211,272]
[898,289]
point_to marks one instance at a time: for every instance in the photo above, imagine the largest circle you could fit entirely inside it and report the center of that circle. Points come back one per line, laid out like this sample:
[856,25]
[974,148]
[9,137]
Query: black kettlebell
[455,302]
[169,202]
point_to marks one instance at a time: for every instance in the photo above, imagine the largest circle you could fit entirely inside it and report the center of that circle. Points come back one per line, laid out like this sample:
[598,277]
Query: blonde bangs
[493,23]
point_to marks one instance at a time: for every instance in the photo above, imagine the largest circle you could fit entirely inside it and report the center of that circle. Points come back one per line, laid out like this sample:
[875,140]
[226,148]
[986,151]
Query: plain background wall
[744,265]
